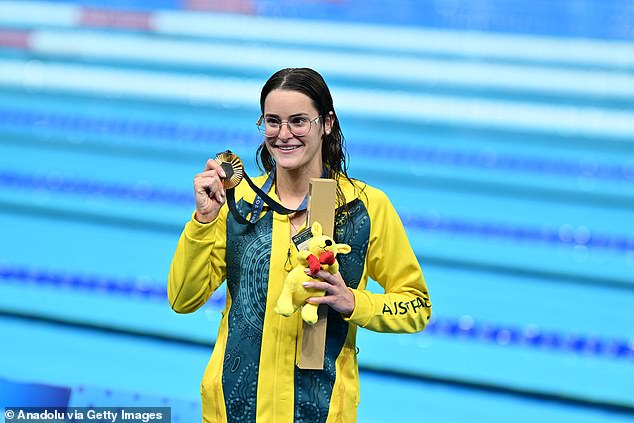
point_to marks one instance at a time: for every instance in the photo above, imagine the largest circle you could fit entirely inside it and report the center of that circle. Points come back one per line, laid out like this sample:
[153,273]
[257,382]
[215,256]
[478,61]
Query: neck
[292,185]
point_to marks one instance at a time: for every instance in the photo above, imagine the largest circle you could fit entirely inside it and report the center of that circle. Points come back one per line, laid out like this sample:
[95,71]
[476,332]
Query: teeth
[287,147]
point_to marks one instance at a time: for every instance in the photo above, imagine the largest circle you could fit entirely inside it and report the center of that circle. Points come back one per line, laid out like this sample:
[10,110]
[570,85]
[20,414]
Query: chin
[288,164]
[289,161]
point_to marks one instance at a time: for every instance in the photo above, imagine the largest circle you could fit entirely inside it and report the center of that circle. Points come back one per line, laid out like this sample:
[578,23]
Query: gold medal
[233,167]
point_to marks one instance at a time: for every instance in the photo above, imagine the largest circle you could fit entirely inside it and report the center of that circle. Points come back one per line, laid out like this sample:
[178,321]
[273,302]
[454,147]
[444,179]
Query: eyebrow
[291,116]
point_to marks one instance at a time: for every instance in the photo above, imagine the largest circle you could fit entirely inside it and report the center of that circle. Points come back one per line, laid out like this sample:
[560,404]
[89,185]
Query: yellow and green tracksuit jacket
[251,375]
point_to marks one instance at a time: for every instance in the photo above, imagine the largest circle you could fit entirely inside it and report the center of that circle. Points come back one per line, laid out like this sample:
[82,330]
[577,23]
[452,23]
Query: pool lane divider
[564,235]
[204,135]
[425,74]
[465,328]
[459,383]
[523,117]
[348,36]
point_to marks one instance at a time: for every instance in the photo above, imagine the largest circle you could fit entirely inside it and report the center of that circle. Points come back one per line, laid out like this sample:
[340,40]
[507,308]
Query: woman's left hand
[338,295]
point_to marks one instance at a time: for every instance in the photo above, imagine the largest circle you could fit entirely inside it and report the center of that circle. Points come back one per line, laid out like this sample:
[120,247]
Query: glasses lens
[299,125]
[261,128]
[268,127]
[271,130]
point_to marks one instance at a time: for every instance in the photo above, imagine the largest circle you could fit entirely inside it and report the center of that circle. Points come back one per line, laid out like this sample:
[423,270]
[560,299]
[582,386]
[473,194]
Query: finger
[208,190]
[321,286]
[323,274]
[220,196]
[213,165]
[211,182]
[208,183]
[213,173]
[326,299]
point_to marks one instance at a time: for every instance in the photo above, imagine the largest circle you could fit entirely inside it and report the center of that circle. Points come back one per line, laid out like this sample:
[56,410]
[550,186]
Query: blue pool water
[502,133]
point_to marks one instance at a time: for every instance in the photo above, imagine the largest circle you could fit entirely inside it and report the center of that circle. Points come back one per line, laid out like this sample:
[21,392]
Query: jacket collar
[351,191]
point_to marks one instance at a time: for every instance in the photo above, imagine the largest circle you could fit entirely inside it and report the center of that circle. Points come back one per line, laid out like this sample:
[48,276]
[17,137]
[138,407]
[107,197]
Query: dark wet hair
[333,151]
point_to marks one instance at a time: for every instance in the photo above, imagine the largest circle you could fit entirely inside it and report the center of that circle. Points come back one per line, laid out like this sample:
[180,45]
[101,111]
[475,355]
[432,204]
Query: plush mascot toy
[321,254]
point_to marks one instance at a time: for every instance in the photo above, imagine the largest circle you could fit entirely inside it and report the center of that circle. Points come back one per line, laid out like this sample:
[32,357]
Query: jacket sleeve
[405,305]
[199,264]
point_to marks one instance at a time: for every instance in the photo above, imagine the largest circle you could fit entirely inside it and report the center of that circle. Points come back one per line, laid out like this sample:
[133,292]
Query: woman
[252,374]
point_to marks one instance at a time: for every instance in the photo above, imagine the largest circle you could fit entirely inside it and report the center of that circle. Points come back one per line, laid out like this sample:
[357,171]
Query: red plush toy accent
[327,257]
[313,263]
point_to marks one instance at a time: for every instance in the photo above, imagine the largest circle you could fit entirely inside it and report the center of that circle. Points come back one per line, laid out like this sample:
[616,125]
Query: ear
[316,229]
[343,249]
[329,122]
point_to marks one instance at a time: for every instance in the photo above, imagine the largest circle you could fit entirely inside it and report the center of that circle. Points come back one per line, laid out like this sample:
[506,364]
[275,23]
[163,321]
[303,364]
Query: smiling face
[292,152]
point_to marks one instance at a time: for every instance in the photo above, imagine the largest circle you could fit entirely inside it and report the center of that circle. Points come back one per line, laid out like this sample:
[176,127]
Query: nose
[285,131]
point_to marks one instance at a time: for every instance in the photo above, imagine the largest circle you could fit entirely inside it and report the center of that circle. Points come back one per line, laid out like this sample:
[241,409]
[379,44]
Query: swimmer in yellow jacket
[251,375]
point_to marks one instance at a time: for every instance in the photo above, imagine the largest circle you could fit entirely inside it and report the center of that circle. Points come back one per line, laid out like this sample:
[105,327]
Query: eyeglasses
[299,126]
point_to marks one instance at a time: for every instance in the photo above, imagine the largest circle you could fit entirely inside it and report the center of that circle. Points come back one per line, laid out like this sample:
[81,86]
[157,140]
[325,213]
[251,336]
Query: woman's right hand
[209,192]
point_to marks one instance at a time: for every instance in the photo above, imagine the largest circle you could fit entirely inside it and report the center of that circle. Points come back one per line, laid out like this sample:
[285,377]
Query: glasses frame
[262,127]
